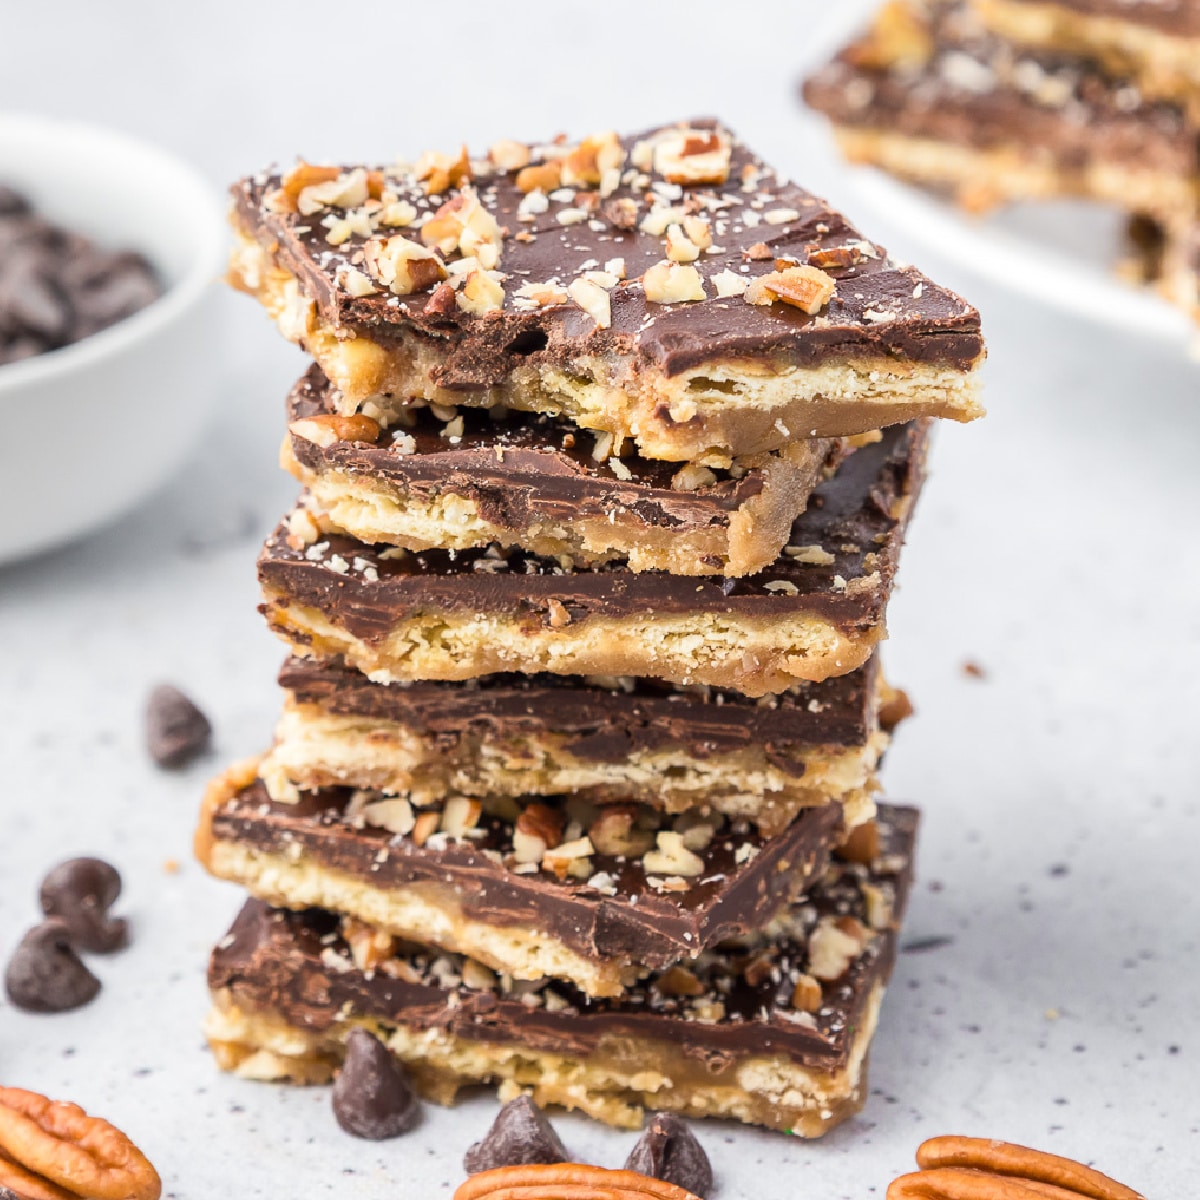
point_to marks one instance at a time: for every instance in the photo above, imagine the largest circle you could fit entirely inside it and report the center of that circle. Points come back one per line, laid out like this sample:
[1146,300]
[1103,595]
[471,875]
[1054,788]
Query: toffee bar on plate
[676,749]
[928,95]
[1155,41]
[625,285]
[543,485]
[817,611]
[772,1031]
[595,894]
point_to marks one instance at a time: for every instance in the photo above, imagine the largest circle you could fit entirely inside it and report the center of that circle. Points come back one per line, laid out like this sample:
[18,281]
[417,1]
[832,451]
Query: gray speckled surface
[1057,546]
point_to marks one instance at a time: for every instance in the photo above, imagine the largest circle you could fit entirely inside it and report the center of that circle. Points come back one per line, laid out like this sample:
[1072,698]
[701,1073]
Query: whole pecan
[567,1181]
[52,1150]
[963,1168]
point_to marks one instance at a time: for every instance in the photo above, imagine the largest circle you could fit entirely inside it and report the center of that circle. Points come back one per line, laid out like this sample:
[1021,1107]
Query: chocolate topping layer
[976,90]
[517,467]
[857,518]
[297,965]
[604,723]
[928,324]
[746,878]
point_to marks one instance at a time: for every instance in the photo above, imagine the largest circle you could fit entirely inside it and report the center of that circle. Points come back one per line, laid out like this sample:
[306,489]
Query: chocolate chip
[46,975]
[57,286]
[519,1136]
[669,1151]
[372,1096]
[176,730]
[80,892]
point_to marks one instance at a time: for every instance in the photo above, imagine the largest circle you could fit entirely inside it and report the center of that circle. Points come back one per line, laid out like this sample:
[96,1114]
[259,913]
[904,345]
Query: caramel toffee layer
[925,324]
[619,909]
[847,545]
[948,81]
[605,720]
[738,1002]
[526,473]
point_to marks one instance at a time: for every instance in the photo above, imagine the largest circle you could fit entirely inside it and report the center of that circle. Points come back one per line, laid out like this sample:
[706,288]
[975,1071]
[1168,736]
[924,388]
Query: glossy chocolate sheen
[858,516]
[602,723]
[928,324]
[976,91]
[275,961]
[639,923]
[520,467]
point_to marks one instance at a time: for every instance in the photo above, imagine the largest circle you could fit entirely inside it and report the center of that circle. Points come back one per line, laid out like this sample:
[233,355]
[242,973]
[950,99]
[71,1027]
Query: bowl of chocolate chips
[109,252]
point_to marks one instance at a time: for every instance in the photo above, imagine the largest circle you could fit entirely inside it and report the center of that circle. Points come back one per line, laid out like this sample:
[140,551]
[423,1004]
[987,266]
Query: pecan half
[1020,1164]
[67,1153]
[960,1183]
[567,1181]
[963,1168]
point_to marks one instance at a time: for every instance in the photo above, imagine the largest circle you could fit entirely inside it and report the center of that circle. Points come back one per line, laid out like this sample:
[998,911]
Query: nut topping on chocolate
[80,892]
[668,1150]
[45,975]
[176,730]
[519,1136]
[373,1097]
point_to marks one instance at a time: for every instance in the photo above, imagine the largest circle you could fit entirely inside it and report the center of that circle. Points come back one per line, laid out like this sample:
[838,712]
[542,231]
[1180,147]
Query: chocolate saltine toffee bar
[1155,41]
[675,748]
[595,894]
[543,485]
[928,95]
[817,611]
[772,1030]
[669,289]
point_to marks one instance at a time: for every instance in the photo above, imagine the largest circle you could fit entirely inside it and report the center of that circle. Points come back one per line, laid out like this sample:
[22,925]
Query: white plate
[1062,254]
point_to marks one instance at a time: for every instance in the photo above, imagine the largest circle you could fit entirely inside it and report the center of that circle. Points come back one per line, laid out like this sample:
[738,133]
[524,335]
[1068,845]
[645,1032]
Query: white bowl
[88,430]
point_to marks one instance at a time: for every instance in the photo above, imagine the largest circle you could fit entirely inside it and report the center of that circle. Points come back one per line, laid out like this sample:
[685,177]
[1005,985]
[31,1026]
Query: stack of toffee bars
[996,101]
[608,449]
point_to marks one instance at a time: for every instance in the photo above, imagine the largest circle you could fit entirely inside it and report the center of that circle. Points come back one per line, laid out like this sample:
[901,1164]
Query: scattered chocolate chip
[46,975]
[669,1151]
[80,892]
[520,1135]
[972,670]
[58,287]
[176,730]
[372,1095]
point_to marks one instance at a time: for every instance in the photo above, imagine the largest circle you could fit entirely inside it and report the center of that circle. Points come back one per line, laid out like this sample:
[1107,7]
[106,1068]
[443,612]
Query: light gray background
[1056,546]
